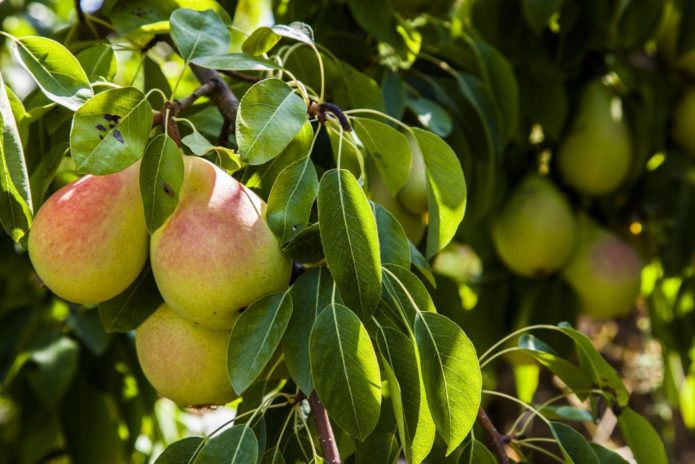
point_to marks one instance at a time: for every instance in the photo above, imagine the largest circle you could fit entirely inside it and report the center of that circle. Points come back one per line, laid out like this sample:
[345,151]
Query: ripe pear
[413,224]
[413,195]
[684,121]
[596,154]
[604,271]
[215,254]
[534,232]
[183,361]
[89,241]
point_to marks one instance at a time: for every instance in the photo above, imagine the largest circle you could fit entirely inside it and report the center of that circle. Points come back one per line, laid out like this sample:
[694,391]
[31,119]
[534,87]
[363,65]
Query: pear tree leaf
[474,452]
[311,293]
[182,451]
[129,309]
[345,370]
[451,374]
[110,131]
[402,366]
[607,456]
[431,115]
[98,61]
[161,177]
[236,62]
[404,294]
[16,207]
[291,199]
[270,115]
[382,444]
[393,243]
[645,442]
[236,445]
[56,71]
[388,148]
[306,247]
[350,240]
[446,189]
[198,33]
[575,448]
[255,337]
[263,39]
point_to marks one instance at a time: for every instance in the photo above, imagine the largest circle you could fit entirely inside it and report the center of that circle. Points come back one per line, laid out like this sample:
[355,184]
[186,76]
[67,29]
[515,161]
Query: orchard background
[541,310]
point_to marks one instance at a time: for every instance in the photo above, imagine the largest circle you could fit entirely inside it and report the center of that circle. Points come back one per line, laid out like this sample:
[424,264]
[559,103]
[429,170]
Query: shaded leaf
[393,243]
[575,448]
[179,452]
[431,115]
[645,442]
[236,445]
[476,453]
[198,33]
[345,370]
[161,177]
[125,312]
[291,199]
[306,247]
[98,62]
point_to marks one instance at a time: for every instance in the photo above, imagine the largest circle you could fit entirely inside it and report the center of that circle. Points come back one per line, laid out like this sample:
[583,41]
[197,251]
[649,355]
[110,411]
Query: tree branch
[241,76]
[222,95]
[497,439]
[326,436]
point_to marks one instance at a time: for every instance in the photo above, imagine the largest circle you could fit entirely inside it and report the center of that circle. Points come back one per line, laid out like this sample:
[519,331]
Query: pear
[604,271]
[413,224]
[596,154]
[215,254]
[89,241]
[534,232]
[183,361]
[684,121]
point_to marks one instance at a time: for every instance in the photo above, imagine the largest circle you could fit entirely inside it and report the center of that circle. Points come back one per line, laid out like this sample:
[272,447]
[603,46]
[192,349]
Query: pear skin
[604,271]
[183,361]
[215,254]
[596,154]
[89,241]
[534,233]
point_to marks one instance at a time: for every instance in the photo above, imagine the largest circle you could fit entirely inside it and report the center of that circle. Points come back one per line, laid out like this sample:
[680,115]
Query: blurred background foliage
[500,80]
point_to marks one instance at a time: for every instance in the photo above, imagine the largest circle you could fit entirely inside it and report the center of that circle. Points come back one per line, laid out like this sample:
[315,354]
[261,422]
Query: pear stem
[323,425]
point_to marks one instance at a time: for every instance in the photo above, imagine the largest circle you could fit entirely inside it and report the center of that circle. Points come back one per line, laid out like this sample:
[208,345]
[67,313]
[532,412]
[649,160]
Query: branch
[497,439]
[222,95]
[241,76]
[330,447]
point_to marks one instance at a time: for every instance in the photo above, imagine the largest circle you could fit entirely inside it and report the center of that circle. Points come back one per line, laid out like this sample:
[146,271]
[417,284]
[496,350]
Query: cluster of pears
[536,233]
[212,257]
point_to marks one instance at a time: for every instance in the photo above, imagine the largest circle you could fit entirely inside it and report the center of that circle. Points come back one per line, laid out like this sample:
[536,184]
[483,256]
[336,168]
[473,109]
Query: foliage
[316,112]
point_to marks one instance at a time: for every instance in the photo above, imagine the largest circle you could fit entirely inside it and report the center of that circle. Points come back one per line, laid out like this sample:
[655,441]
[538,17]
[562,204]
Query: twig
[177,106]
[241,76]
[323,425]
[223,138]
[222,95]
[497,439]
[171,109]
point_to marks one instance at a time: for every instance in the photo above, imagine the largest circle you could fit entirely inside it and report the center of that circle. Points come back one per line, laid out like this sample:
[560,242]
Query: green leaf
[98,62]
[110,131]
[15,194]
[393,243]
[538,12]
[43,174]
[161,177]
[596,366]
[270,115]
[452,376]
[263,39]
[345,370]
[255,337]
[402,366]
[291,199]
[476,453]
[388,148]
[575,448]
[606,456]
[197,143]
[404,293]
[56,71]
[382,444]
[306,247]
[236,62]
[446,189]
[431,115]
[311,293]
[86,325]
[420,263]
[155,79]
[355,89]
[198,33]
[54,363]
[179,452]
[350,240]
[125,312]
[236,445]
[645,442]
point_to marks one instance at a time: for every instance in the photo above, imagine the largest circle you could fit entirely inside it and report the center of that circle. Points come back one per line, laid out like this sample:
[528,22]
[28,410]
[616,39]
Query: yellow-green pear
[596,154]
[413,224]
[413,195]
[183,361]
[684,121]
[215,254]
[534,232]
[604,271]
[89,241]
